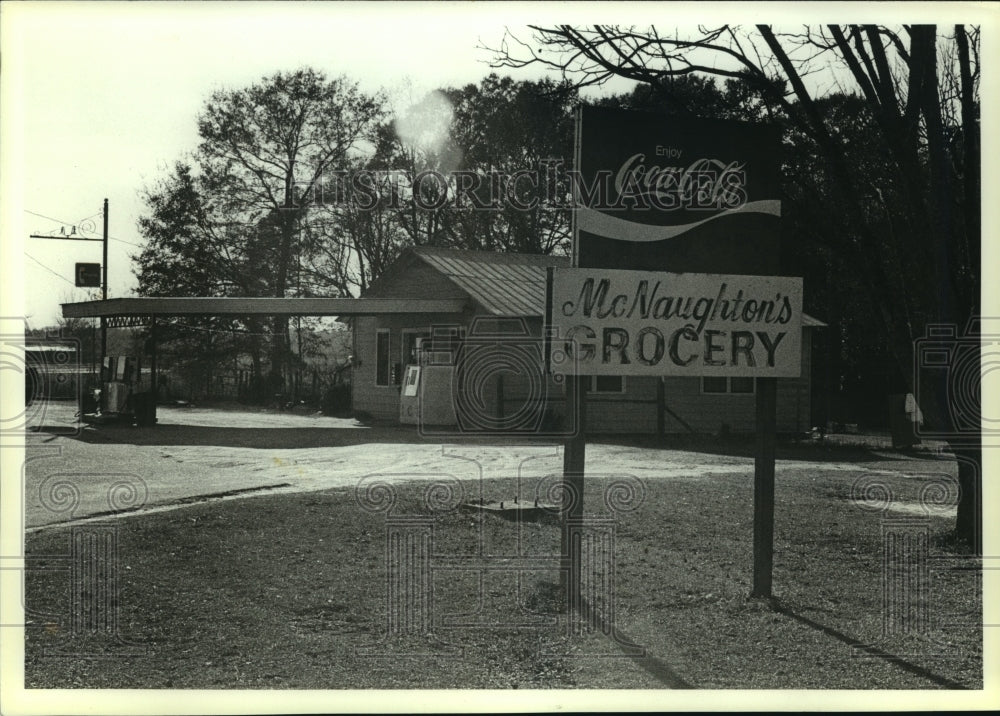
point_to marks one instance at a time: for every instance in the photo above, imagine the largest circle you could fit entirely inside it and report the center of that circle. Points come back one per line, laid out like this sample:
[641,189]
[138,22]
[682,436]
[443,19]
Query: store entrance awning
[127,312]
[205,306]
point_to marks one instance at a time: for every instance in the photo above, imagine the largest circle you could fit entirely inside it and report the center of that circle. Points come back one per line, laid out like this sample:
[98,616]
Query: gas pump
[426,394]
[125,395]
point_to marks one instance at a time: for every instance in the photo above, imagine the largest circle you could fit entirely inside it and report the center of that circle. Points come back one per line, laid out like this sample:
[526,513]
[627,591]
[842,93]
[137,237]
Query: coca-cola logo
[704,184]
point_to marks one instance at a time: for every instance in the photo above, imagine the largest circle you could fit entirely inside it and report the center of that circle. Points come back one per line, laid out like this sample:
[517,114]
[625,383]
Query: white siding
[635,411]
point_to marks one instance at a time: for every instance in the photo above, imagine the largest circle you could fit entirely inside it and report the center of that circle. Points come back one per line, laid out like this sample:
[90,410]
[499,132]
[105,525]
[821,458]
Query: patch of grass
[290,591]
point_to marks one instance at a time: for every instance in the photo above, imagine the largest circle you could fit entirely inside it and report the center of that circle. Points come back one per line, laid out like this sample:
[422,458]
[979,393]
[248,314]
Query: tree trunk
[969,520]
[971,165]
[280,344]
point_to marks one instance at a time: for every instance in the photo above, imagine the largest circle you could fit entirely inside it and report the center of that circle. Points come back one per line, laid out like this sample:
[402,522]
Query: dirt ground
[255,550]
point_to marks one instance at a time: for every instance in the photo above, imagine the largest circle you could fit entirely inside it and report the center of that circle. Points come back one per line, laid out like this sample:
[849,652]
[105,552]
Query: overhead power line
[123,241]
[77,223]
[54,273]
[58,221]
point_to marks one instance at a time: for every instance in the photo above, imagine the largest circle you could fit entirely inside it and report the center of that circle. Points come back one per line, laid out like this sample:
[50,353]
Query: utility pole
[104,287]
[104,269]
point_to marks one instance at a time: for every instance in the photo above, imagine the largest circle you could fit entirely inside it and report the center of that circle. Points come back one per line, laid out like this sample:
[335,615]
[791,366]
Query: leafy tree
[184,253]
[264,151]
[191,252]
[695,96]
[476,138]
[513,129]
[230,223]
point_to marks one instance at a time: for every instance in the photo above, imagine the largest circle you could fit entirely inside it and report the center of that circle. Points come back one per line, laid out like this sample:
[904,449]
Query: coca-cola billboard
[656,192]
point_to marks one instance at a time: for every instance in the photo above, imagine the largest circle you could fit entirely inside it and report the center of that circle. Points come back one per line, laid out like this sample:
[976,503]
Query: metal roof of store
[506,284]
[503,284]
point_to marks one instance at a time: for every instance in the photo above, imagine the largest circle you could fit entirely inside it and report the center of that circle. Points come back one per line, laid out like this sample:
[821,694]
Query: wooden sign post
[763,487]
[654,324]
[700,198]
[574,458]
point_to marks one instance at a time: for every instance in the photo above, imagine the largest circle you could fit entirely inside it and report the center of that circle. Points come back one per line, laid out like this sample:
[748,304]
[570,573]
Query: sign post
[763,487]
[574,457]
[700,199]
[647,323]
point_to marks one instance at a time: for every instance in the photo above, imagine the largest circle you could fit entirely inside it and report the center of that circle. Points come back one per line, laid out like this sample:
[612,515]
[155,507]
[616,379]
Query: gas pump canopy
[141,311]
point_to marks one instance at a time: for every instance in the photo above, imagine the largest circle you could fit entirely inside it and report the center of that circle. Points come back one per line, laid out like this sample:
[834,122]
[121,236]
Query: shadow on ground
[196,430]
[269,438]
[786,449]
[265,438]
[869,650]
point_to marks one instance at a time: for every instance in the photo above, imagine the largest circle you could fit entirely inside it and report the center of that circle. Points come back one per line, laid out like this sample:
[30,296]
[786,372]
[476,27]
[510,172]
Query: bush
[337,401]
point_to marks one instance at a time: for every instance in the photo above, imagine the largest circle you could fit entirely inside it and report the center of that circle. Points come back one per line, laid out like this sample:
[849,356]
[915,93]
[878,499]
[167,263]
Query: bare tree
[264,151]
[353,239]
[919,86]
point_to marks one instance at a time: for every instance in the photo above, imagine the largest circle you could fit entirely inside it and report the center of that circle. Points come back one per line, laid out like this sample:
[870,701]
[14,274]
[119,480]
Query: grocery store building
[405,364]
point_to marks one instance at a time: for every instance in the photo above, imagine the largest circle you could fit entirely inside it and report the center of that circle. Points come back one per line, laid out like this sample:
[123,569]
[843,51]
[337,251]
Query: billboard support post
[701,199]
[574,458]
[763,486]
[575,448]
[104,289]
[154,376]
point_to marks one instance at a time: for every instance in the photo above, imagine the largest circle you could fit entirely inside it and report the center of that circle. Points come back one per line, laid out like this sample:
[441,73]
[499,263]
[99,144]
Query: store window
[607,384]
[727,385]
[408,345]
[382,357]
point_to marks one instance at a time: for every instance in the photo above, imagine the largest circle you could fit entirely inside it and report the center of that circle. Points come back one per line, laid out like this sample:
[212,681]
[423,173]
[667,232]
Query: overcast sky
[109,94]
[99,99]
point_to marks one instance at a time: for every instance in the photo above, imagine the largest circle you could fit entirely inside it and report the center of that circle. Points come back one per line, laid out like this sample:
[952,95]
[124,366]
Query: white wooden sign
[609,322]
